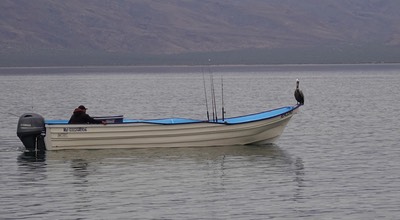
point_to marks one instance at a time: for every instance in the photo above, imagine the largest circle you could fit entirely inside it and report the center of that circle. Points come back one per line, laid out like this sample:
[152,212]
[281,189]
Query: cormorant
[298,94]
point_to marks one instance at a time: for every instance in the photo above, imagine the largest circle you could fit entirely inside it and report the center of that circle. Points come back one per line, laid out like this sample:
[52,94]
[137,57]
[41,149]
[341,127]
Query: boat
[38,134]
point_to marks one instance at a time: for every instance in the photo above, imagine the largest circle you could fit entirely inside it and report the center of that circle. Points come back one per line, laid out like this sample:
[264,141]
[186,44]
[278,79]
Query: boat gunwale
[190,121]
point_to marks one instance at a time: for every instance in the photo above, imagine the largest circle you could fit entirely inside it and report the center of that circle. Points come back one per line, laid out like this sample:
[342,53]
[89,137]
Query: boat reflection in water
[153,171]
[269,156]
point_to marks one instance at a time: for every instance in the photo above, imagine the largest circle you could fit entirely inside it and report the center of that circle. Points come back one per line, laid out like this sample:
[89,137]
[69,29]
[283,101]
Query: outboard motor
[31,131]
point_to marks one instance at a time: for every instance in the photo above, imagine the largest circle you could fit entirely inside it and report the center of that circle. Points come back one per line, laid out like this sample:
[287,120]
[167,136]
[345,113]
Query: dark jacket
[80,117]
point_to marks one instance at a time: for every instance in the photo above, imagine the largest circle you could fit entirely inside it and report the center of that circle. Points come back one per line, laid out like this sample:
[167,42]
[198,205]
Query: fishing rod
[212,88]
[222,98]
[205,95]
[213,97]
[215,112]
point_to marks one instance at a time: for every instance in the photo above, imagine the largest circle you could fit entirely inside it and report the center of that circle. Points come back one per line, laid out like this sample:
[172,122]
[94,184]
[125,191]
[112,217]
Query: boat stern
[31,132]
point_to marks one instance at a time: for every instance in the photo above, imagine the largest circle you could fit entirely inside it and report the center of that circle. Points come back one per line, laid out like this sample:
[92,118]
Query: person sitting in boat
[80,117]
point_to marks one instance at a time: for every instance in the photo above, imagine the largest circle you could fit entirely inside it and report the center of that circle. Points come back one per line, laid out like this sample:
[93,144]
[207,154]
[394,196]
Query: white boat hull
[145,135]
[38,134]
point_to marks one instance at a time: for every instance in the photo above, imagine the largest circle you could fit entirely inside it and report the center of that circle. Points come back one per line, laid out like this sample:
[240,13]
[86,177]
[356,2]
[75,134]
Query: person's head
[83,108]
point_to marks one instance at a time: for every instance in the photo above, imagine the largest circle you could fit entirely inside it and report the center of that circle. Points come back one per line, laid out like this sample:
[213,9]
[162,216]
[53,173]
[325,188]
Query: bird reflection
[299,178]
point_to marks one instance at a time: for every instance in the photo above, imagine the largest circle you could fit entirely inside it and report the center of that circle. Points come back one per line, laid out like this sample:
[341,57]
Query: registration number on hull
[286,114]
[77,129]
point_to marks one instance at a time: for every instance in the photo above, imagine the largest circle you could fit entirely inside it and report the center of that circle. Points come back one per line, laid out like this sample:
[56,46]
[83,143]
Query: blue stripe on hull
[234,120]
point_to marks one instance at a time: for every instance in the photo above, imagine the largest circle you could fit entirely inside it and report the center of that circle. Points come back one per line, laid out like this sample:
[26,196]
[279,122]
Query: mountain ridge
[176,27]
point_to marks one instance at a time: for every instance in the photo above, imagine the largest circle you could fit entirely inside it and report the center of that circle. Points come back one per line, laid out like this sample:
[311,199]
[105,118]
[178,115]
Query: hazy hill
[244,31]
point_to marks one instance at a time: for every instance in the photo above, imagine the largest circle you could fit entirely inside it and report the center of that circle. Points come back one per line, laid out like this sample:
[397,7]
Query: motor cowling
[31,131]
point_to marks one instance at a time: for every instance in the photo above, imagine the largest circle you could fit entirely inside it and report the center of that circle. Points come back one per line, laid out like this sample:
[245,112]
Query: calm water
[337,159]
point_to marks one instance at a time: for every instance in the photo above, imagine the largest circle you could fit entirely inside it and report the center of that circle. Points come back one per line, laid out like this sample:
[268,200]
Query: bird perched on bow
[298,94]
